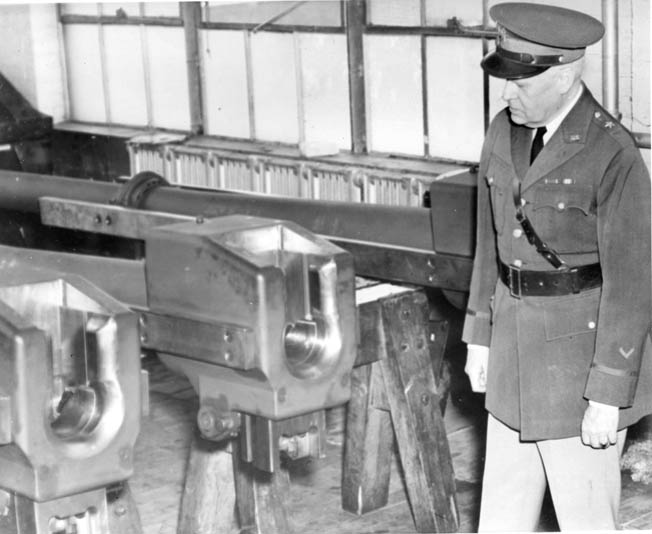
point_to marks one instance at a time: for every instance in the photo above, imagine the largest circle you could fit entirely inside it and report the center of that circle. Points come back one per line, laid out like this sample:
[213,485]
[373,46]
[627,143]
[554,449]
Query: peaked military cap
[534,37]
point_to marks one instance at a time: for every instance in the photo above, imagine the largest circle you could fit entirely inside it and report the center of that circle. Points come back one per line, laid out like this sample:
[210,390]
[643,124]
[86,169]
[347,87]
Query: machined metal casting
[259,314]
[70,400]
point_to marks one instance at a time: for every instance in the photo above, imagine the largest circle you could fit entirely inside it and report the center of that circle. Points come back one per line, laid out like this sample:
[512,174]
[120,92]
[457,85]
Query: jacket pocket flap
[572,315]
[562,197]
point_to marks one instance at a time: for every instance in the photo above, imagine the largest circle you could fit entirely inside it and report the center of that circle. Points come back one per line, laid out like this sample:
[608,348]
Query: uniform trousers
[584,482]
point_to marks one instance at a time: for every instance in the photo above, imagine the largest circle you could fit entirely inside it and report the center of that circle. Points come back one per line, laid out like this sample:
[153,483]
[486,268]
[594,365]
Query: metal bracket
[133,193]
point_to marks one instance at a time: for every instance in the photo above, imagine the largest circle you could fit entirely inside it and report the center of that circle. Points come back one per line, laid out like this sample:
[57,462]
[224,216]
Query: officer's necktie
[537,144]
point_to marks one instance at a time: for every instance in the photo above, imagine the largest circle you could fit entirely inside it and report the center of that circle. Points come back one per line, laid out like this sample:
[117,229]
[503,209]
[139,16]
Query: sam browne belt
[550,283]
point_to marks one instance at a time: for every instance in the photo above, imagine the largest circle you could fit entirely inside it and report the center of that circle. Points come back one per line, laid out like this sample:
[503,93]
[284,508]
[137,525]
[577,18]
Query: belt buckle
[515,281]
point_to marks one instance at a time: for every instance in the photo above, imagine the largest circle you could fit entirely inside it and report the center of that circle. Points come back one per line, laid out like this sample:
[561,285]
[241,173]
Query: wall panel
[275,87]
[169,77]
[125,75]
[226,108]
[83,64]
[455,98]
[325,91]
[394,95]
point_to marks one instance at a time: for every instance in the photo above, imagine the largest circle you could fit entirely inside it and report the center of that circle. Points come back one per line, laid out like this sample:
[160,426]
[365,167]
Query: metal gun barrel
[404,227]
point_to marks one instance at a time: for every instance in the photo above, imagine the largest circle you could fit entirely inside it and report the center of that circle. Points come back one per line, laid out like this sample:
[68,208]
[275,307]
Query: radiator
[303,178]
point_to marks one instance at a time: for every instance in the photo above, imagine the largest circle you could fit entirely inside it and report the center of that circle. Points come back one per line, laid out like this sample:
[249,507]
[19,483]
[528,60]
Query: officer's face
[534,101]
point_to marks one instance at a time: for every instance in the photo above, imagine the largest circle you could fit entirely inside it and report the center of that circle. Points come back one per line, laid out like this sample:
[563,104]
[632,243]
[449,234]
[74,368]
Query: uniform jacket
[588,196]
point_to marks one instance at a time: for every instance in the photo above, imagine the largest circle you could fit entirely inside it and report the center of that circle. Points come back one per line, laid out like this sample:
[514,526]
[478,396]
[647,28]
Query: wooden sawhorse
[393,388]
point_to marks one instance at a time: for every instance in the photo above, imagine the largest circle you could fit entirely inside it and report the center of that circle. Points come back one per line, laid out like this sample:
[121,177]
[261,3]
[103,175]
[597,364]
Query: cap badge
[502,34]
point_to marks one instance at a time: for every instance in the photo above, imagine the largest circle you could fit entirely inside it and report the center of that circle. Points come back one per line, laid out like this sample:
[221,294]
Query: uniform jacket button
[517,232]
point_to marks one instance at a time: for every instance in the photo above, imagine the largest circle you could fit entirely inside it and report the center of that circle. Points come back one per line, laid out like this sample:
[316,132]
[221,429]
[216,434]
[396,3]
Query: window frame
[355,25]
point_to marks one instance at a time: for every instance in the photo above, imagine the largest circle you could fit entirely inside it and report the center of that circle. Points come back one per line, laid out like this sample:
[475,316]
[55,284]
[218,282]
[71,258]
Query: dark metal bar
[251,103]
[355,23]
[424,96]
[485,76]
[424,82]
[404,227]
[191,14]
[432,31]
[610,76]
[133,21]
[278,28]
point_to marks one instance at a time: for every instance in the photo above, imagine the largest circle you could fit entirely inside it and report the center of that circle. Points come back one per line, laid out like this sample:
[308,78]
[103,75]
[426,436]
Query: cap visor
[496,65]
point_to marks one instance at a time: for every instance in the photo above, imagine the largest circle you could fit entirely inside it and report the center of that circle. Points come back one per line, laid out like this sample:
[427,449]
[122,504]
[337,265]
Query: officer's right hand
[477,361]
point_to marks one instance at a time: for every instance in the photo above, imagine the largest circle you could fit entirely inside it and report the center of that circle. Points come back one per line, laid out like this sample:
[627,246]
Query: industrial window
[277,71]
[283,72]
[126,64]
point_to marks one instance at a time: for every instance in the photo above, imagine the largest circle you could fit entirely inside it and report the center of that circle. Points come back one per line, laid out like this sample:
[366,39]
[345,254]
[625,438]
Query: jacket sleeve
[477,324]
[626,303]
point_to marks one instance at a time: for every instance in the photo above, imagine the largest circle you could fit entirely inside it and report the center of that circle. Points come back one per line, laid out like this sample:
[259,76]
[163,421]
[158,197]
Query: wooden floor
[315,489]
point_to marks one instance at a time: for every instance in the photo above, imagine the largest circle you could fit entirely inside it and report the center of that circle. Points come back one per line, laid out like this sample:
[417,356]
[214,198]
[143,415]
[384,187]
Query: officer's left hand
[600,425]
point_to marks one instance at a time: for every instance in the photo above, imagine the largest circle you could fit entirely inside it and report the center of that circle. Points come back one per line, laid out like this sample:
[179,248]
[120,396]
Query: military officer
[559,311]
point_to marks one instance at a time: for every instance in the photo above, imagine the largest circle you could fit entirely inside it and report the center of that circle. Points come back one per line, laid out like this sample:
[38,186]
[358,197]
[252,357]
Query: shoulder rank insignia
[626,354]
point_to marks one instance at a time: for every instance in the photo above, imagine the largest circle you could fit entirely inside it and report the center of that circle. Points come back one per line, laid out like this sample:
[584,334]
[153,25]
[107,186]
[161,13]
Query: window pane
[85,87]
[325,90]
[126,79]
[275,87]
[225,83]
[313,13]
[394,13]
[394,101]
[455,98]
[168,77]
[469,12]
[162,9]
[80,9]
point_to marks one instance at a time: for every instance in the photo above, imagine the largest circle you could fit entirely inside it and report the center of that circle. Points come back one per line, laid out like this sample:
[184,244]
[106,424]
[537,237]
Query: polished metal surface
[71,376]
[259,313]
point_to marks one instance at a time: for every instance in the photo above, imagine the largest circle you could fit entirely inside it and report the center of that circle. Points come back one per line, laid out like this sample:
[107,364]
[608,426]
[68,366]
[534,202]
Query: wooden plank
[368,444]
[437,337]
[261,505]
[418,423]
[208,500]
